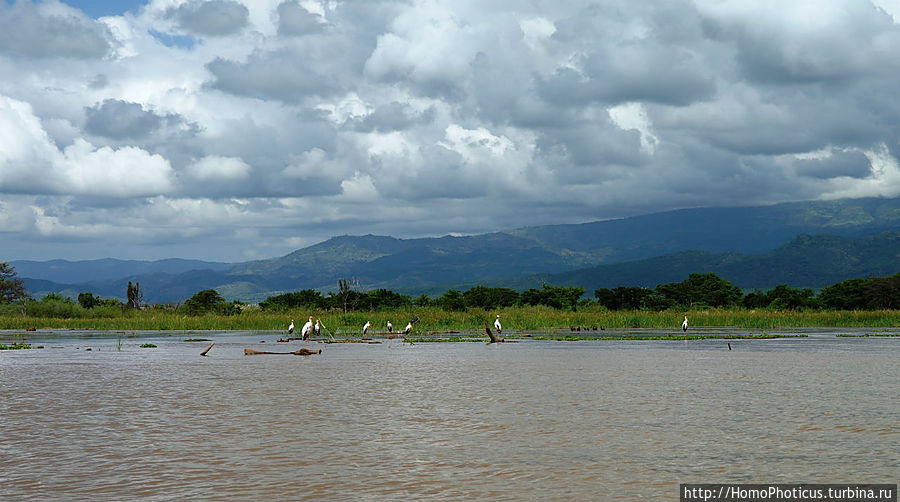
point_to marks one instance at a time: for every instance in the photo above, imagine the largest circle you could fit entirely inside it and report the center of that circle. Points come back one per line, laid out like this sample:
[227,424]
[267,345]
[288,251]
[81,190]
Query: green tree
[706,288]
[87,300]
[623,298]
[422,300]
[306,298]
[559,297]
[863,294]
[490,298]
[845,295]
[452,300]
[883,292]
[209,301]
[783,297]
[387,299]
[11,289]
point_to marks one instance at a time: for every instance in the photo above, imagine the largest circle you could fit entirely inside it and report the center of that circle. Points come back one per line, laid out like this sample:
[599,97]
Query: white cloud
[634,116]
[125,172]
[214,167]
[476,145]
[359,188]
[883,182]
[31,163]
[246,121]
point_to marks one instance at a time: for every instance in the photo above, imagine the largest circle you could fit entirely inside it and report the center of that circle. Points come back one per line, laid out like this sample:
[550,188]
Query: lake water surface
[534,420]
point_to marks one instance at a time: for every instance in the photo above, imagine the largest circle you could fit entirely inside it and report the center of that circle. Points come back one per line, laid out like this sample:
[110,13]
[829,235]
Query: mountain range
[803,244]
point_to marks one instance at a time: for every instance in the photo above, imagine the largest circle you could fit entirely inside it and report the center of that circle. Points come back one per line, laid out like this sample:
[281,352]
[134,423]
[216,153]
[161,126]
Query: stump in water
[207,349]
[490,334]
[301,352]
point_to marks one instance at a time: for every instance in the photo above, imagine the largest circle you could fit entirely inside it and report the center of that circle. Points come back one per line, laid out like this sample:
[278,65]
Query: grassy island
[518,319]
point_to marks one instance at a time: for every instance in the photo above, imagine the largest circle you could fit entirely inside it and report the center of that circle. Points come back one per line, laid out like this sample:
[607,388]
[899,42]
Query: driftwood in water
[301,352]
[207,349]
[490,334]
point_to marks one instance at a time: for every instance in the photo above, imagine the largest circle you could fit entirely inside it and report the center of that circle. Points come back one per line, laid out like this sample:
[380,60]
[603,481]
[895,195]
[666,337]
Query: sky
[233,130]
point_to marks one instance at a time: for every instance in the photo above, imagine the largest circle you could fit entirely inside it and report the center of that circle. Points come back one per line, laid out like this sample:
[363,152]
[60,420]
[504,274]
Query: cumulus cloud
[120,119]
[50,30]
[31,163]
[851,164]
[246,121]
[294,20]
[210,18]
[283,75]
[214,167]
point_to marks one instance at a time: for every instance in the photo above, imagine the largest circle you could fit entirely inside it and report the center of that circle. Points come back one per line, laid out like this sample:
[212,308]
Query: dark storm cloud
[838,164]
[394,116]
[631,73]
[281,75]
[841,42]
[294,20]
[212,18]
[42,31]
[120,119]
[659,58]
[423,118]
[594,144]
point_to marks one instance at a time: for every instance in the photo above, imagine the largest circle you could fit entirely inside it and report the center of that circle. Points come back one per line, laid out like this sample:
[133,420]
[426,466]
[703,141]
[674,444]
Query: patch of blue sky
[179,41]
[99,8]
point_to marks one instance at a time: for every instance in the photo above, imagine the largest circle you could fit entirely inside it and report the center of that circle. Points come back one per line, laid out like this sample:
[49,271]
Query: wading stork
[497,324]
[304,333]
[366,327]
[684,325]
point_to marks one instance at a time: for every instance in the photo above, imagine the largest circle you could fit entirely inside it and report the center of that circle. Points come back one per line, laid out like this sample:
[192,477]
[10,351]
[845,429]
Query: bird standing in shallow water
[497,324]
[304,332]
[408,328]
[366,327]
[684,325]
[291,328]
[317,328]
[390,327]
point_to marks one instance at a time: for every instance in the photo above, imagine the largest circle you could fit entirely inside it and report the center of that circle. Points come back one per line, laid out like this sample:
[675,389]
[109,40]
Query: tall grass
[434,319]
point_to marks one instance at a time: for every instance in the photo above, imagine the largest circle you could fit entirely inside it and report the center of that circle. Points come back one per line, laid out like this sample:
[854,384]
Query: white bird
[497,324]
[291,328]
[684,324]
[390,327]
[304,333]
[317,328]
[408,328]
[366,327]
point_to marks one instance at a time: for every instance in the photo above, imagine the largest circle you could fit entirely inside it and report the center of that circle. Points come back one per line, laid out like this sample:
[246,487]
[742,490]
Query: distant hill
[811,261]
[651,249]
[753,229]
[64,271]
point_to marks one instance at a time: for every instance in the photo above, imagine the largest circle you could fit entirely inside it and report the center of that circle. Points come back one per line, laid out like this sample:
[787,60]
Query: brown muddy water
[534,420]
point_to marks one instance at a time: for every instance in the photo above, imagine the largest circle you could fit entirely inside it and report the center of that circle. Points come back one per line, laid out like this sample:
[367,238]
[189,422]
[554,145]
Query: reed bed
[434,319]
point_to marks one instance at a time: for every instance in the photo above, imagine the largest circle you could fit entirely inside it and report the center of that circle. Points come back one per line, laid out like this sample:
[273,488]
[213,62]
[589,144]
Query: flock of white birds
[309,326]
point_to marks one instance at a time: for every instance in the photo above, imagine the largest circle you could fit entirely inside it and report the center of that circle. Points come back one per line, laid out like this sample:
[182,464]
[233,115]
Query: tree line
[698,291]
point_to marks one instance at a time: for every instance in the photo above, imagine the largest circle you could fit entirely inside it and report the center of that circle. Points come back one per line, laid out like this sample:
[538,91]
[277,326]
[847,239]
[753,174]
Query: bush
[209,301]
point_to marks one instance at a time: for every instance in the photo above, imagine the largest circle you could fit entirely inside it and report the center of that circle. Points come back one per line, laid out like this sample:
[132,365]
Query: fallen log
[490,334]
[207,349]
[301,352]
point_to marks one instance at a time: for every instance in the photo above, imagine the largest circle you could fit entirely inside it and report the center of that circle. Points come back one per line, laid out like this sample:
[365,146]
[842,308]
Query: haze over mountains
[803,244]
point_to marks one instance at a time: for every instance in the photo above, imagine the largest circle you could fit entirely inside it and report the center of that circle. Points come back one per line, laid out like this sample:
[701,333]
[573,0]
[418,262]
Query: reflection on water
[534,420]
